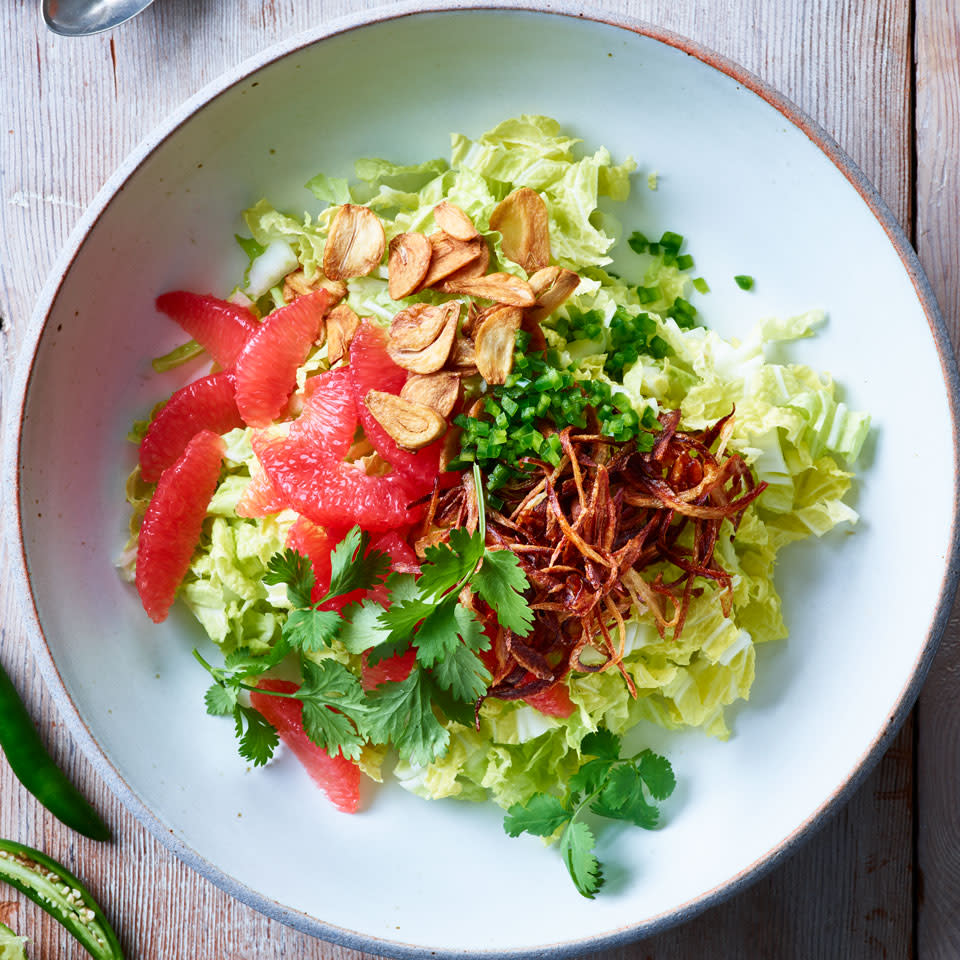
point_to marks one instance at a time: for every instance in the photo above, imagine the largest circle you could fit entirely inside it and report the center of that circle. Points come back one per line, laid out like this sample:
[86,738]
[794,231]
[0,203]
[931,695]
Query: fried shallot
[610,529]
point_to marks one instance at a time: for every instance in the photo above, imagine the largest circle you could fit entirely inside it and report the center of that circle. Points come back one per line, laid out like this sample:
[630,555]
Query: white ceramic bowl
[757,188]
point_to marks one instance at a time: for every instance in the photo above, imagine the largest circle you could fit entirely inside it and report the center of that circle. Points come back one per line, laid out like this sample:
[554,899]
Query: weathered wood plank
[847,62]
[938,242]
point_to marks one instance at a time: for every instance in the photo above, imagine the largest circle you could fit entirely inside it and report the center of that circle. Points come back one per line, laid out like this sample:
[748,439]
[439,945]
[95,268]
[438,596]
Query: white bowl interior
[753,194]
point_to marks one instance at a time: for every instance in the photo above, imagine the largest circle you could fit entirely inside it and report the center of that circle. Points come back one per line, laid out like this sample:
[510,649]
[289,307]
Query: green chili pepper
[51,886]
[36,770]
[11,946]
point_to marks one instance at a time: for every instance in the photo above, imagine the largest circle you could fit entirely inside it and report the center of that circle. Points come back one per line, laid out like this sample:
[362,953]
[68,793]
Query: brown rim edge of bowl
[55,683]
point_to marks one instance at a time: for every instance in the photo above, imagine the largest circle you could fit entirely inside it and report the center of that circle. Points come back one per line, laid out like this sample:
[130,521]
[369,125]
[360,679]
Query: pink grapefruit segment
[554,701]
[261,498]
[329,415]
[316,543]
[337,776]
[390,669]
[332,492]
[220,327]
[206,404]
[173,522]
[267,364]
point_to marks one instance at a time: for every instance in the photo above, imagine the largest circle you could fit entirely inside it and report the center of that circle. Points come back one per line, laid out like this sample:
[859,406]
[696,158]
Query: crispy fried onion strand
[607,530]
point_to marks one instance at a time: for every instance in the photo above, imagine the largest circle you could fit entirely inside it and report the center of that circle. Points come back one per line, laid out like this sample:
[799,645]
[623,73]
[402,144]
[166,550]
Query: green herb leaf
[446,565]
[354,567]
[601,743]
[440,633]
[541,815]
[463,673]
[361,627]
[296,571]
[221,701]
[333,706]
[622,798]
[403,616]
[259,740]
[311,630]
[576,848]
[402,714]
[501,582]
[657,774]
[590,777]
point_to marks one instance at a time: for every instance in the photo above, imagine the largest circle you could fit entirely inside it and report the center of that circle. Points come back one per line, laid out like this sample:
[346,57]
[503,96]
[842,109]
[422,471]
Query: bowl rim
[21,385]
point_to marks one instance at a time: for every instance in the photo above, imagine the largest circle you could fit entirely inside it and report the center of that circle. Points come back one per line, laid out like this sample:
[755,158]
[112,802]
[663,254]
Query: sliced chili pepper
[51,886]
[11,945]
[36,770]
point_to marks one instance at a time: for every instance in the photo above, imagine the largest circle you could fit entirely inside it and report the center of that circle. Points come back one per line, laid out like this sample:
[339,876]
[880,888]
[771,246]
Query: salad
[460,506]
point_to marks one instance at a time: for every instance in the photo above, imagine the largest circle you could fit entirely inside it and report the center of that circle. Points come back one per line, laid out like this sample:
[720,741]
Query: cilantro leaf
[333,703]
[621,784]
[439,634]
[453,708]
[657,774]
[541,815]
[331,682]
[403,616]
[622,798]
[619,789]
[242,663]
[259,740]
[311,630]
[386,650]
[576,848]
[221,701]
[296,571]
[395,633]
[590,777]
[601,743]
[361,628]
[447,564]
[402,714]
[331,730]
[501,582]
[354,567]
[463,673]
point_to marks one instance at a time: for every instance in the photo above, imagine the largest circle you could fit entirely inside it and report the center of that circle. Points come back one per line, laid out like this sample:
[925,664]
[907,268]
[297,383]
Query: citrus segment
[337,776]
[554,701]
[172,524]
[331,492]
[220,327]
[260,498]
[329,415]
[390,669]
[267,364]
[206,404]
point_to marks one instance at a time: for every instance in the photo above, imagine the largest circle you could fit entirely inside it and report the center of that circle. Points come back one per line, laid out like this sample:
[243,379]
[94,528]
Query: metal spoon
[77,18]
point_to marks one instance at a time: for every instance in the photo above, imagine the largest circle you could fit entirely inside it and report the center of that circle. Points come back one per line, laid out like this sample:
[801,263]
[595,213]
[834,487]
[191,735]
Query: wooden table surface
[882,878]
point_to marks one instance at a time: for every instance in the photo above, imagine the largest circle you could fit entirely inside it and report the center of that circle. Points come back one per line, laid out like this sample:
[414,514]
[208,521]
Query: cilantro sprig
[332,697]
[425,612]
[619,788]
[428,614]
